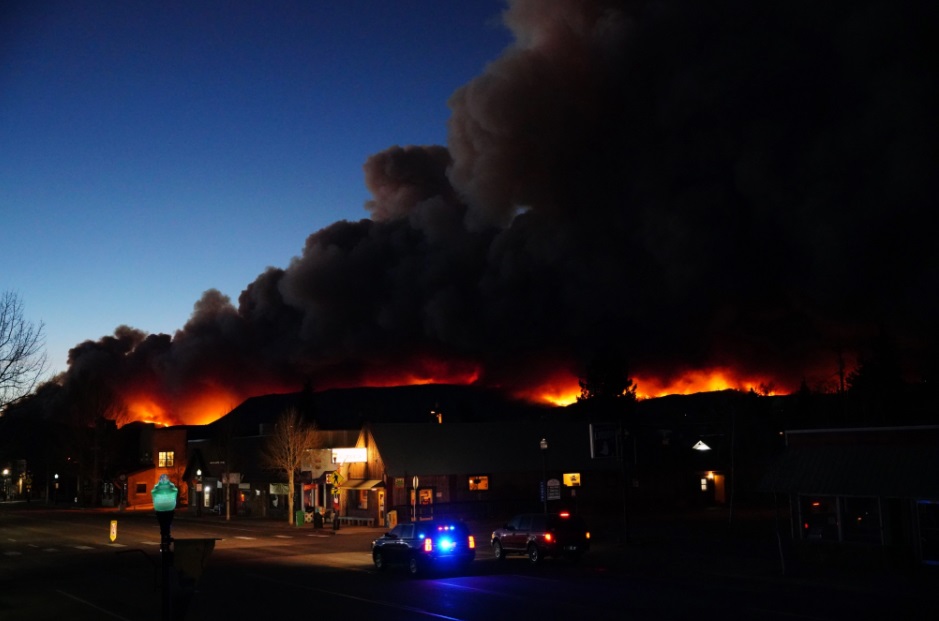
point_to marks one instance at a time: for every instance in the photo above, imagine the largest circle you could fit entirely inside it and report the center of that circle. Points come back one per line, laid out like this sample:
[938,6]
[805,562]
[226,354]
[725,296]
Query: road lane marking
[411,609]
[87,603]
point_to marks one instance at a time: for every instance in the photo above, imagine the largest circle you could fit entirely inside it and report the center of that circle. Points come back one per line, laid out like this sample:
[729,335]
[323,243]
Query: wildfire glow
[209,407]
[560,388]
[702,380]
[200,409]
[564,389]
[418,372]
[145,409]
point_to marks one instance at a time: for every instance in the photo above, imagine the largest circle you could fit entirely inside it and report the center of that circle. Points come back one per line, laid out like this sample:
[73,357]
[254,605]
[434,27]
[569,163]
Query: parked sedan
[421,546]
[537,535]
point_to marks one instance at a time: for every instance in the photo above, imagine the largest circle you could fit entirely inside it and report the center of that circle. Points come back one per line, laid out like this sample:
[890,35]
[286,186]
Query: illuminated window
[479,483]
[704,485]
[819,518]
[362,499]
[166,459]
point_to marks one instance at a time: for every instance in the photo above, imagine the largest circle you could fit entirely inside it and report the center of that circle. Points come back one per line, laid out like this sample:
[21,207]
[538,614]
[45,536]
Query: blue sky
[151,151]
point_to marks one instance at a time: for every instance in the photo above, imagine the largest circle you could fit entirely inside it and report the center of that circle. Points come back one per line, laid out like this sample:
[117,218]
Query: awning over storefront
[363,484]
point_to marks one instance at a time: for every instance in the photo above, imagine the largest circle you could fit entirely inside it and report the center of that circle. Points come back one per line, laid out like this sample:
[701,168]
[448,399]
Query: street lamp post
[164,503]
[199,493]
[544,473]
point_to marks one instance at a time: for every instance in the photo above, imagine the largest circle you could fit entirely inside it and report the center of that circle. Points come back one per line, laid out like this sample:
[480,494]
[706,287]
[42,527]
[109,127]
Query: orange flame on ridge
[563,389]
[199,409]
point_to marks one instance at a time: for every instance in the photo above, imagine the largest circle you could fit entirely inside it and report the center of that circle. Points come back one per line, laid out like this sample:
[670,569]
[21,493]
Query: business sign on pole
[603,441]
[350,455]
[317,461]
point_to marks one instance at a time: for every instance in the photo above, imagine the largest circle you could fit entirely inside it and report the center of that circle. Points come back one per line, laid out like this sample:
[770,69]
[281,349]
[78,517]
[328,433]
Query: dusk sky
[150,151]
[214,198]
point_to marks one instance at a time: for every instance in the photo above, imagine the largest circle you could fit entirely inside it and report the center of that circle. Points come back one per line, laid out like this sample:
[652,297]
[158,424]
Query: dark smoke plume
[733,183]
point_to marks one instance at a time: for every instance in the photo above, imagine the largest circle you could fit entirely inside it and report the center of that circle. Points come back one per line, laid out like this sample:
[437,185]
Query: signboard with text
[349,455]
[603,441]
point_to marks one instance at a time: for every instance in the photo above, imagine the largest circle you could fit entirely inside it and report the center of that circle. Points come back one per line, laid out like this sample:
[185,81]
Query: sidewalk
[704,544]
[691,544]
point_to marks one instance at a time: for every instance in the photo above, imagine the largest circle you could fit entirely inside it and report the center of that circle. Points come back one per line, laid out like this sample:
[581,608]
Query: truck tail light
[472,542]
[548,537]
[428,545]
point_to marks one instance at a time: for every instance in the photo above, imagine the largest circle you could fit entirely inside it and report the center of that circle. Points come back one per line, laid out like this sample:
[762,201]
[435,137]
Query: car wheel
[498,551]
[414,567]
[534,554]
[379,559]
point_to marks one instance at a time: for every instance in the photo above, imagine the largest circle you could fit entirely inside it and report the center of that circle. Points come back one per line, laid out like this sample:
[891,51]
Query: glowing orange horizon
[201,409]
[564,390]
[143,405]
[561,389]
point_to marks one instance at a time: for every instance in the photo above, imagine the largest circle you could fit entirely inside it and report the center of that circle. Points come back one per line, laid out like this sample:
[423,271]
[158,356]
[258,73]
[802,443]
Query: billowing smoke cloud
[737,183]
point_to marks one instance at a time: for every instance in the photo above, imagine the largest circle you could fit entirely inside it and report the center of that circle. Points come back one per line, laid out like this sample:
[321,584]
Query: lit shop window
[479,483]
[819,518]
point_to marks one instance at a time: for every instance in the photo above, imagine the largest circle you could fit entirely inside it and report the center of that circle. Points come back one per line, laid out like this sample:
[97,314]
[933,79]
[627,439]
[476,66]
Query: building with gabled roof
[470,470]
[875,488]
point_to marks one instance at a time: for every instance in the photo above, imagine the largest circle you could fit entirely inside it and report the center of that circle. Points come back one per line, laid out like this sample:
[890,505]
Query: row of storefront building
[870,488]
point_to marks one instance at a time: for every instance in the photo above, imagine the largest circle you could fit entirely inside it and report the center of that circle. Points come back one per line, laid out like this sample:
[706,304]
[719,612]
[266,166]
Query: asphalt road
[57,564]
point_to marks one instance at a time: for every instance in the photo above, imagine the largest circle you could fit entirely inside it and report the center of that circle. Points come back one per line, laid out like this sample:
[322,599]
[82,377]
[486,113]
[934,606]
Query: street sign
[603,441]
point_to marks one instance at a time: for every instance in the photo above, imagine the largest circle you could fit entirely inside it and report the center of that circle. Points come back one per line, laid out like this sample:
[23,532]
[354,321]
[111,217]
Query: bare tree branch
[22,351]
[284,450]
